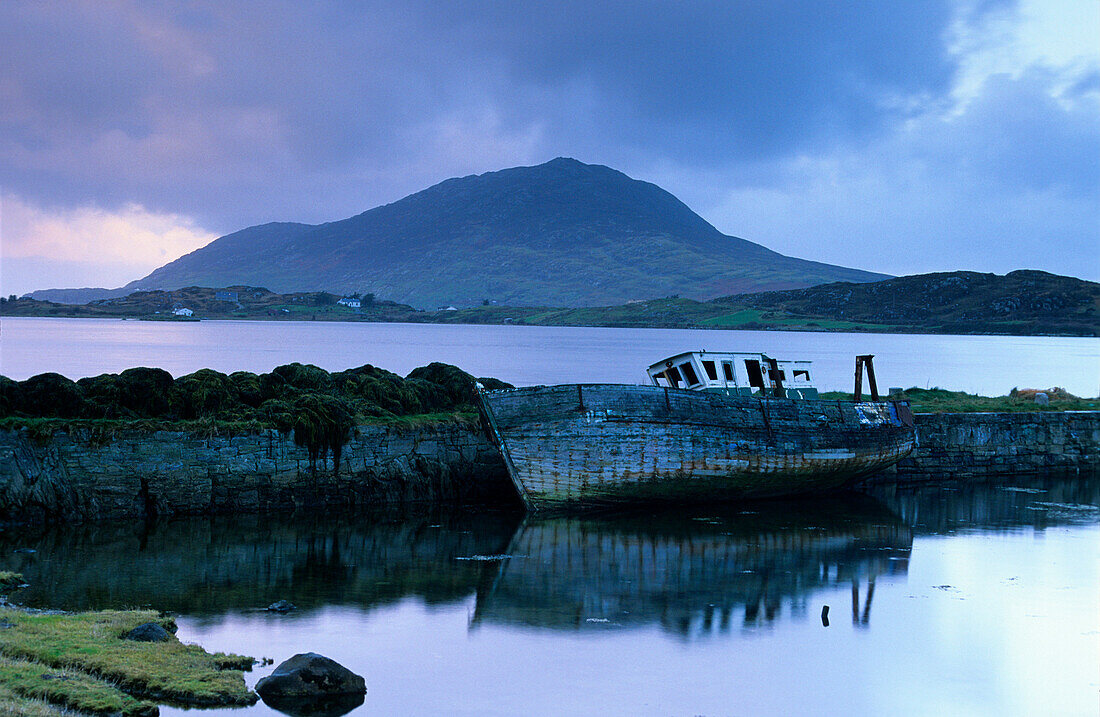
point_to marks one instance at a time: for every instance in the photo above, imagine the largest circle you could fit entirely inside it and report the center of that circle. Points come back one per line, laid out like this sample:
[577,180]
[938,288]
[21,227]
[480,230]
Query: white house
[349,302]
[183,311]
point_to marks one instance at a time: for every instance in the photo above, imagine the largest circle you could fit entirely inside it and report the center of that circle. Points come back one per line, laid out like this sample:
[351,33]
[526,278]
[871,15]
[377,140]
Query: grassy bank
[938,400]
[79,661]
[101,431]
[10,580]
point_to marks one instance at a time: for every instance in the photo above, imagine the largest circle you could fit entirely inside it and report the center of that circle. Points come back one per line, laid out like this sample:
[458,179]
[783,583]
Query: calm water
[523,355]
[981,600]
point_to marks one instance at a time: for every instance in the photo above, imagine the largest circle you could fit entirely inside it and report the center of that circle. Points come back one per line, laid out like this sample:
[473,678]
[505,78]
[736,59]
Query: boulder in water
[282,606]
[310,675]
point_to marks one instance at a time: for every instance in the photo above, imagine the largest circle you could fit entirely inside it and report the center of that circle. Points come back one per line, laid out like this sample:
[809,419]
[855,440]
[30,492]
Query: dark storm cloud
[738,79]
[242,112]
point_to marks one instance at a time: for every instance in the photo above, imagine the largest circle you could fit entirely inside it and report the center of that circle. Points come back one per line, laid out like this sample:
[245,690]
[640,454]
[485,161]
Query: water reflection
[315,706]
[690,572]
[1037,502]
[695,574]
[205,567]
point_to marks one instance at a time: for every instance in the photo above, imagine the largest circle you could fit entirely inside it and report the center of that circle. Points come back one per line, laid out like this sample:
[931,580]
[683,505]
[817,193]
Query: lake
[524,355]
[979,600]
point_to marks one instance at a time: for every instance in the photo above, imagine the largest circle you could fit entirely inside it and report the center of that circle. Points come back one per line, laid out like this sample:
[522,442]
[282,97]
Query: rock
[310,675]
[149,632]
[1042,399]
[282,606]
[328,706]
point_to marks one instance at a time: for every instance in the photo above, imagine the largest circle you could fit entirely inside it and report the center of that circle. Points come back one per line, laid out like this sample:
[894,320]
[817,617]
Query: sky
[899,137]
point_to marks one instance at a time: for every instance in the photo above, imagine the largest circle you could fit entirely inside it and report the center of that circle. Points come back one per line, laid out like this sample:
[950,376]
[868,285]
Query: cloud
[192,109]
[237,113]
[1010,182]
[111,247]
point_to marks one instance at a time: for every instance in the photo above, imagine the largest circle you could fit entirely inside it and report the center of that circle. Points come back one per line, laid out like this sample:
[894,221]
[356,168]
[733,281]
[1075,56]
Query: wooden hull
[610,444]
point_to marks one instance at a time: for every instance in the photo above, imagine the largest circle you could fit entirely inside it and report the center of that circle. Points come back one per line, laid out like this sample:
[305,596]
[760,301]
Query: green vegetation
[321,408]
[68,688]
[938,400]
[959,302]
[9,580]
[15,705]
[80,661]
[1020,303]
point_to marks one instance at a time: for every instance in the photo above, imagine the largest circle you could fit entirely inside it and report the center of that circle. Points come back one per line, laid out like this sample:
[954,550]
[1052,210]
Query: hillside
[234,302]
[1024,301]
[1020,303]
[562,233]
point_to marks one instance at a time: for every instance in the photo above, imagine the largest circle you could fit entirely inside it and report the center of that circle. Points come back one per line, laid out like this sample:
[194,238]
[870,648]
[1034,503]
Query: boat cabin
[735,374]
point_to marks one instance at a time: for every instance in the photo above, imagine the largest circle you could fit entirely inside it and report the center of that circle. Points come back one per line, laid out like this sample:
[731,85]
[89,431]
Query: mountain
[563,233]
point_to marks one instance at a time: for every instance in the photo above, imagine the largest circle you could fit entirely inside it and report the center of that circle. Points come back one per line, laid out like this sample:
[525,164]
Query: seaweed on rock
[322,424]
[304,376]
[10,393]
[455,387]
[204,393]
[320,408]
[51,395]
[145,391]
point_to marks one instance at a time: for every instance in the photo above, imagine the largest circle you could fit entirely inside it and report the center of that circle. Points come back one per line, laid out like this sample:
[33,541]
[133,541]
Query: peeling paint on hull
[608,443]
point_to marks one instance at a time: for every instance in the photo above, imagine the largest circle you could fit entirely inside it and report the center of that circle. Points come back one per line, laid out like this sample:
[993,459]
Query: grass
[35,682]
[465,418]
[103,669]
[15,705]
[101,431]
[780,319]
[9,580]
[938,400]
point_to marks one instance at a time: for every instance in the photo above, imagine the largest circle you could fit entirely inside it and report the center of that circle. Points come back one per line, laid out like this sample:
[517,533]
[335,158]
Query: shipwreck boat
[710,426]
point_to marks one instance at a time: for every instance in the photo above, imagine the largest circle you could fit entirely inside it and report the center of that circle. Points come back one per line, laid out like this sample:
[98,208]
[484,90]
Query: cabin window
[689,374]
[756,377]
[673,376]
[727,370]
[711,369]
[803,375]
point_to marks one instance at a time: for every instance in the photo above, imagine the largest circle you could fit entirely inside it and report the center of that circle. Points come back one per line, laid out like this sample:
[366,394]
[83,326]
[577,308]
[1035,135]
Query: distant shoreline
[853,327]
[961,303]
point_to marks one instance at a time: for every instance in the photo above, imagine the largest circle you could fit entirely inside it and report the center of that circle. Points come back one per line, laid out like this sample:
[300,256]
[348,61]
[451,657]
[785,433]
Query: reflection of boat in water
[693,572]
[712,426]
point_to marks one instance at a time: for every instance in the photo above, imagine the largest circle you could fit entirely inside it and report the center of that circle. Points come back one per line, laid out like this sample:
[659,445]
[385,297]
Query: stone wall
[142,474]
[967,446]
